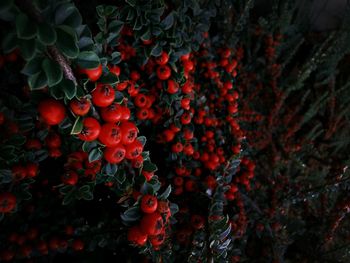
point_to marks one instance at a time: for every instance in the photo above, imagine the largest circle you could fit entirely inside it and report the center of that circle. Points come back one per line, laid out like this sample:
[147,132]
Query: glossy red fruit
[7,202]
[80,107]
[91,129]
[103,95]
[77,245]
[162,59]
[52,111]
[152,224]
[53,140]
[149,204]
[136,236]
[115,154]
[19,172]
[7,255]
[140,100]
[110,134]
[163,72]
[33,144]
[114,69]
[32,169]
[137,162]
[157,240]
[112,113]
[147,174]
[173,86]
[133,150]
[93,74]
[129,132]
[125,113]
[2,118]
[70,178]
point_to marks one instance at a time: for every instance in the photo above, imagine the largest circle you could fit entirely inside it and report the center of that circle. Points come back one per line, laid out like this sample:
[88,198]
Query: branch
[27,7]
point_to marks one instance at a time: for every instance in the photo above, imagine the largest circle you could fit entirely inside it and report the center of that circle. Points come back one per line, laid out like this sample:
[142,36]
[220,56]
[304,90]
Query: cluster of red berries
[78,166]
[29,170]
[156,214]
[30,242]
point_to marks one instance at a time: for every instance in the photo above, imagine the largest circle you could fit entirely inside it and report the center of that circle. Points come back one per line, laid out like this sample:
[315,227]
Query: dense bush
[196,131]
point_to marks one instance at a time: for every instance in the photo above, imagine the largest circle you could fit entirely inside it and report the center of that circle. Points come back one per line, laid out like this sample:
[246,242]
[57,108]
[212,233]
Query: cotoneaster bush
[166,131]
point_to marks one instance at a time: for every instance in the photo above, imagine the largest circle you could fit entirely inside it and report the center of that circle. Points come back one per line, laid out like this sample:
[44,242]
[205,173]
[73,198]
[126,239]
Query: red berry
[110,134]
[133,150]
[157,240]
[70,178]
[140,100]
[152,224]
[112,113]
[115,154]
[91,129]
[78,245]
[163,72]
[173,86]
[19,172]
[114,69]
[129,132]
[7,202]
[149,204]
[103,95]
[52,111]
[32,169]
[136,236]
[80,107]
[162,59]
[53,140]
[93,74]
[2,118]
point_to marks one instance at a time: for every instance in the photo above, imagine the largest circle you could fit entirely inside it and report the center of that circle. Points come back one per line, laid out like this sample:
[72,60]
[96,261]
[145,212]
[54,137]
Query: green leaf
[46,34]
[87,195]
[77,126]
[168,22]
[110,78]
[111,169]
[131,2]
[88,60]
[9,42]
[121,177]
[142,139]
[115,26]
[32,66]
[165,194]
[26,28]
[116,58]
[85,43]
[87,146]
[69,88]
[157,50]
[63,12]
[53,72]
[17,140]
[5,5]
[37,81]
[67,41]
[27,48]
[66,189]
[150,167]
[147,35]
[131,215]
[95,154]
[69,197]
[74,20]
[5,176]
[56,92]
